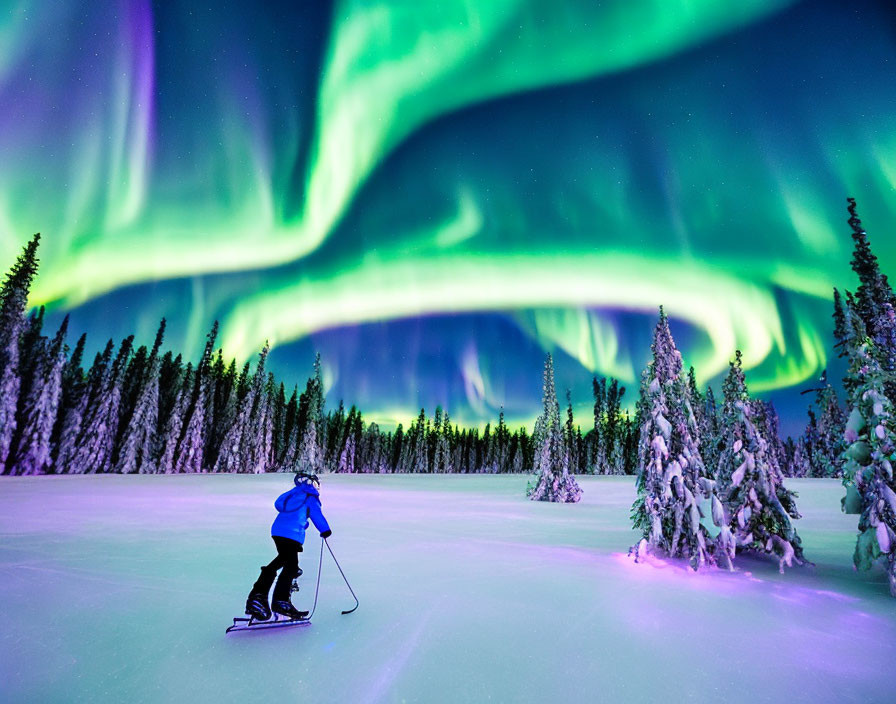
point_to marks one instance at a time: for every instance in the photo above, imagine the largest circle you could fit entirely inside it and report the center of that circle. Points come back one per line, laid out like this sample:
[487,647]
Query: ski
[250,624]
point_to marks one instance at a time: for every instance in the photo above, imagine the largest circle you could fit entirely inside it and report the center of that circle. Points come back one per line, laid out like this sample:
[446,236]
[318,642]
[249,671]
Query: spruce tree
[171,375]
[291,451]
[502,442]
[9,396]
[260,446]
[239,448]
[612,432]
[189,453]
[599,450]
[169,438]
[13,303]
[41,407]
[800,465]
[32,351]
[96,443]
[770,430]
[750,485]
[346,462]
[318,402]
[553,482]
[69,434]
[840,332]
[868,473]
[137,453]
[14,292]
[827,455]
[442,461]
[310,456]
[191,450]
[874,299]
[709,432]
[71,397]
[569,437]
[672,481]
[696,398]
[811,442]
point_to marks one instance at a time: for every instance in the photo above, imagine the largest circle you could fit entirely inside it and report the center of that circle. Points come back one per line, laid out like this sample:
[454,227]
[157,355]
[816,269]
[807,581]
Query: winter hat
[307,478]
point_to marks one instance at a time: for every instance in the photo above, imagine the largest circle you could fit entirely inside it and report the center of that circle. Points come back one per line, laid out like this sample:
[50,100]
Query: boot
[284,607]
[281,603]
[257,602]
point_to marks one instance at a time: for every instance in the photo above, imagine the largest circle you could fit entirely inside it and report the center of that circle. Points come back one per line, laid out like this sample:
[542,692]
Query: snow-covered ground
[119,588]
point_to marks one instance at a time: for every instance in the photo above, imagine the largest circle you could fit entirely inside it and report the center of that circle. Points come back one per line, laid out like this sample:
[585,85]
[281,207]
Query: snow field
[119,588]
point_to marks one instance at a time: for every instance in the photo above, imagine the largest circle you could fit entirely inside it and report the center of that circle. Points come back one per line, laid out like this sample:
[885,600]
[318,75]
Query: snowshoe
[285,608]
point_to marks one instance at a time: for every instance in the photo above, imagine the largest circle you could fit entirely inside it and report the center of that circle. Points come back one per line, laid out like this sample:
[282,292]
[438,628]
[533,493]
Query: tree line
[137,409]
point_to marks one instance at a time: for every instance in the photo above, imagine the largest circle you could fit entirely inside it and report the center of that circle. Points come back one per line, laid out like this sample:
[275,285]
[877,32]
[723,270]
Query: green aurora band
[567,165]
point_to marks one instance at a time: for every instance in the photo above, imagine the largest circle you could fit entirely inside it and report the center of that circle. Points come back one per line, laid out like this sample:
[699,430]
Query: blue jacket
[295,507]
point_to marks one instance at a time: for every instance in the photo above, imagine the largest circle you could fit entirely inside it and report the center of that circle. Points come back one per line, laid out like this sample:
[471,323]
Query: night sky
[433,195]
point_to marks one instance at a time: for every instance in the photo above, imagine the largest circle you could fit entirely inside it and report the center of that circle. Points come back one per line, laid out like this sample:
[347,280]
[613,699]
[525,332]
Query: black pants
[288,559]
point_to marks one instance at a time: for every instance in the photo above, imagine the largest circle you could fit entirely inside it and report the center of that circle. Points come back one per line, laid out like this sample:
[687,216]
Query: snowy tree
[94,450]
[827,453]
[33,348]
[226,404]
[74,404]
[41,407]
[416,457]
[137,453]
[696,399]
[189,453]
[14,293]
[69,434]
[874,300]
[13,303]
[868,472]
[599,450]
[569,436]
[371,450]
[613,431]
[768,424]
[501,442]
[800,464]
[239,447]
[170,437]
[671,480]
[347,456]
[443,462]
[171,376]
[757,506]
[310,457]
[517,464]
[554,482]
[709,432]
[9,396]
[260,438]
[810,450]
[317,401]
[840,331]
[290,455]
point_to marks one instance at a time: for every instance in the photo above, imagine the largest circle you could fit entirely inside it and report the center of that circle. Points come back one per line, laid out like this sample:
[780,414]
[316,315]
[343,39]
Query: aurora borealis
[435,194]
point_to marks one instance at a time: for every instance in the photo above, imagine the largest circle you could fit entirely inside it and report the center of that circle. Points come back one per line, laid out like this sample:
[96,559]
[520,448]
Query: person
[294,509]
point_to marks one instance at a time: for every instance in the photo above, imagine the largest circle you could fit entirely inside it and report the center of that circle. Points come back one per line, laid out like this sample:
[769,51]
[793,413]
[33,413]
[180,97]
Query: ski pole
[320,564]
[357,603]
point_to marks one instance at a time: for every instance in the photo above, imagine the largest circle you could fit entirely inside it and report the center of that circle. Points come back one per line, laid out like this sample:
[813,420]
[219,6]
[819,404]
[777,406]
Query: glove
[326,534]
